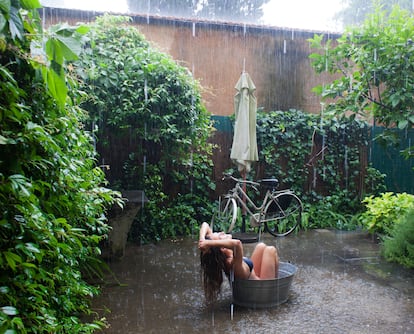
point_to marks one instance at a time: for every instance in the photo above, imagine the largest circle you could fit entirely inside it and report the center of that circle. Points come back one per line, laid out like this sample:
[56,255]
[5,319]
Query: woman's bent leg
[257,257]
[270,263]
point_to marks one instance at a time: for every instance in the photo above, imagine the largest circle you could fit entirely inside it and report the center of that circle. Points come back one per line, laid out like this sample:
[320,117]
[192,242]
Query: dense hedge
[152,128]
[52,199]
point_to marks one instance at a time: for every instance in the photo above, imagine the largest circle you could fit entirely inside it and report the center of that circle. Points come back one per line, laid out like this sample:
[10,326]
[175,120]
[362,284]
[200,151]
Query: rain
[342,285]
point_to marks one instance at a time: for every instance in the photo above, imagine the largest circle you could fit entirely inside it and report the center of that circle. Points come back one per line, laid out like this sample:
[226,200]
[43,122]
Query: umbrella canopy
[244,148]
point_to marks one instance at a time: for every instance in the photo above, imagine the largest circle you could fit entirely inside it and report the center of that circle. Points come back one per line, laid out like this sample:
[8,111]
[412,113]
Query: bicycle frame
[279,212]
[246,203]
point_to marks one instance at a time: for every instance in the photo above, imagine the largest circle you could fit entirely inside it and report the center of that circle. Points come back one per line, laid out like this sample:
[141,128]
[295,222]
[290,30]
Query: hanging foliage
[51,193]
[152,128]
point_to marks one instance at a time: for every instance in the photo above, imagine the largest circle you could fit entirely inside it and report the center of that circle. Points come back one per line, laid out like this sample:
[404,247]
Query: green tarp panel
[388,160]
[223,123]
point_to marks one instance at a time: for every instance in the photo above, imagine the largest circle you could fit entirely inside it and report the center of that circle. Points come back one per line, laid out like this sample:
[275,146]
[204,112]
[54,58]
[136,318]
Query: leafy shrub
[399,246]
[52,197]
[143,99]
[327,214]
[383,212]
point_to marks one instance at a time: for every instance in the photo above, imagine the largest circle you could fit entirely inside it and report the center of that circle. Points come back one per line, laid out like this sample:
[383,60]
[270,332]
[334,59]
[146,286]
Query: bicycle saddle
[269,183]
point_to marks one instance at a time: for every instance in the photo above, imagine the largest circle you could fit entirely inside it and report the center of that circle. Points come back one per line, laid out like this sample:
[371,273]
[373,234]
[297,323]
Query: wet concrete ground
[342,286]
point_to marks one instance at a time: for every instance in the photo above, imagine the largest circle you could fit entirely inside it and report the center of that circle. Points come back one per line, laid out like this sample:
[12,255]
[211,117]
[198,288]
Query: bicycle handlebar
[231,177]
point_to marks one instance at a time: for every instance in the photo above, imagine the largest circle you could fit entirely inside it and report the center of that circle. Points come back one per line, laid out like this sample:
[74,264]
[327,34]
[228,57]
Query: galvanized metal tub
[265,293]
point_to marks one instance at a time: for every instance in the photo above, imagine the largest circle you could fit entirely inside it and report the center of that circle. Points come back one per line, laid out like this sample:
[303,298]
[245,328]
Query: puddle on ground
[342,286]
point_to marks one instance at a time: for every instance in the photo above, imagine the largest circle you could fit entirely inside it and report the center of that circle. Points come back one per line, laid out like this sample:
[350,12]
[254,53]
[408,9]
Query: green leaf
[56,84]
[402,124]
[30,4]
[63,48]
[15,24]
[32,247]
[5,6]
[82,29]
[12,259]
[3,22]
[9,310]
[6,141]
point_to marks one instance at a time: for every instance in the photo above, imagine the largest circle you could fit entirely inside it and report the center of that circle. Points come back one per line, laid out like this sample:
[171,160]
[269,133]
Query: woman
[220,253]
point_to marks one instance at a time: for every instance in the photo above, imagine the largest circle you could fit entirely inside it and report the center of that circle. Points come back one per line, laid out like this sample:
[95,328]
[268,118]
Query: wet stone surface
[342,286]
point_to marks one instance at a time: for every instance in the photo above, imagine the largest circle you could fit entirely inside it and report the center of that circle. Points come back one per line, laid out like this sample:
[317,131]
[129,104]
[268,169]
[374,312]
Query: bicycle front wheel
[283,214]
[225,216]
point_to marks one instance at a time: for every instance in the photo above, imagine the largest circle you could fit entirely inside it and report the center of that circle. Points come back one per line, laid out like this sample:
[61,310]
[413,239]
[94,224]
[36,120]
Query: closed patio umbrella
[244,147]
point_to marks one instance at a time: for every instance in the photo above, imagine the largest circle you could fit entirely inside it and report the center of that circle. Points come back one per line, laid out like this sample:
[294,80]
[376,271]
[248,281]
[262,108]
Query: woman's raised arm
[205,230]
[234,244]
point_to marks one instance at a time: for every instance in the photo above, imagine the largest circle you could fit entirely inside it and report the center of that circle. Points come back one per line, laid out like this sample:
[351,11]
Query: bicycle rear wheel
[225,216]
[283,214]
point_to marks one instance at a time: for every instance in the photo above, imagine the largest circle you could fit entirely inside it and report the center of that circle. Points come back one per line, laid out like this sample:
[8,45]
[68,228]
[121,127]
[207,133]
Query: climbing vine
[322,159]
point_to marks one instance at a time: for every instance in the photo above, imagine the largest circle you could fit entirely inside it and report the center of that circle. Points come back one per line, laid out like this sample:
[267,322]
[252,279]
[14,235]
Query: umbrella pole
[243,229]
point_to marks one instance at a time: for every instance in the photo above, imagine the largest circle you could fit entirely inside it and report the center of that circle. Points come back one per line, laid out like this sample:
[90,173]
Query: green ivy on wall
[321,159]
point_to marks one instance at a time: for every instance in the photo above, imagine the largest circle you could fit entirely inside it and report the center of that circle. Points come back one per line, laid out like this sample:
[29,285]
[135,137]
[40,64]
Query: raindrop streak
[93,136]
[346,166]
[148,11]
[375,60]
[314,178]
[146,91]
[284,46]
[143,192]
[144,163]
[194,29]
[245,46]
[191,179]
[323,140]
[43,19]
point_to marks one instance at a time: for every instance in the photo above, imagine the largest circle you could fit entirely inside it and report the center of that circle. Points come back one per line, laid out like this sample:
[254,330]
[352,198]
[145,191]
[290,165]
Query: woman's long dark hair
[213,264]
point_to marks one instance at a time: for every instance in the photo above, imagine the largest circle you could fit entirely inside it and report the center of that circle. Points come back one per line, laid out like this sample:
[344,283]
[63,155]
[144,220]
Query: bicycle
[280,211]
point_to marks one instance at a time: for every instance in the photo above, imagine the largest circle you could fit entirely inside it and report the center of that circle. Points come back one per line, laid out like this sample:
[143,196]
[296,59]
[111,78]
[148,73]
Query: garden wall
[216,53]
